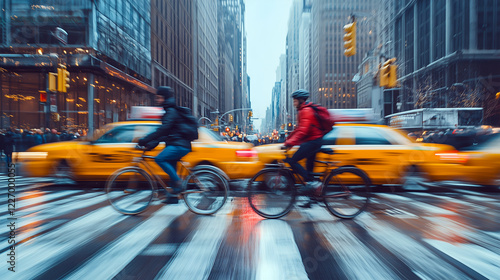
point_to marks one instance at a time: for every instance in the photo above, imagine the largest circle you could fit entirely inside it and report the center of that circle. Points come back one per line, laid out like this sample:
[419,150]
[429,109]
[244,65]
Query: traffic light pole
[234,110]
[230,111]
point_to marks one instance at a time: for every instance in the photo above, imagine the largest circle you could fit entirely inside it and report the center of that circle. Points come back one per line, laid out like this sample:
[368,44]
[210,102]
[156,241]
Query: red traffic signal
[43,96]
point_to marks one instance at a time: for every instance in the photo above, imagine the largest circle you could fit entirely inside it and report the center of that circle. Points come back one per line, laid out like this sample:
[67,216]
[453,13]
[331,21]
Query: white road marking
[117,255]
[278,256]
[194,259]
[475,257]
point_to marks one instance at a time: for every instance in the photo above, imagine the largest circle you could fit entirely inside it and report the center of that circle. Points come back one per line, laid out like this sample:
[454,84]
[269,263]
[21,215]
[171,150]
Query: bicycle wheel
[205,191]
[346,192]
[130,190]
[271,192]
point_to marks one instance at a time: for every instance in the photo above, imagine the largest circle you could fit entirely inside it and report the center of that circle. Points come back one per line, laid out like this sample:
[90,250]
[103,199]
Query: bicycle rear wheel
[346,192]
[130,190]
[205,191]
[271,192]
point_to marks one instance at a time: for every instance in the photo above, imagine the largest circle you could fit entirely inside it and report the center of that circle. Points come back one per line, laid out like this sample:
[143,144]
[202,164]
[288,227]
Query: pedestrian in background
[8,147]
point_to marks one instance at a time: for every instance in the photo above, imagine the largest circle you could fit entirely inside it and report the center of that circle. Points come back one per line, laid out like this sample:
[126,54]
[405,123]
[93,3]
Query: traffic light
[350,39]
[250,114]
[63,79]
[388,74]
[217,121]
[230,118]
[43,96]
[227,129]
[498,95]
[52,81]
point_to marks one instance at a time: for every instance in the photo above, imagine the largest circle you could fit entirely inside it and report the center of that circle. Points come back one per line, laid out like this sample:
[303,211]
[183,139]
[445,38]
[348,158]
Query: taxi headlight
[27,156]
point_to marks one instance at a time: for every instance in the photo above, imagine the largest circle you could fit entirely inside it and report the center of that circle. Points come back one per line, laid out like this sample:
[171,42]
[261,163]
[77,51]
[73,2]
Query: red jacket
[308,127]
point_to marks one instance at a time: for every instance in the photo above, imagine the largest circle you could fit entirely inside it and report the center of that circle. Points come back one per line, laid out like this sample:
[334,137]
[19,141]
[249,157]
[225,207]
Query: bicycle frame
[141,160]
[282,166]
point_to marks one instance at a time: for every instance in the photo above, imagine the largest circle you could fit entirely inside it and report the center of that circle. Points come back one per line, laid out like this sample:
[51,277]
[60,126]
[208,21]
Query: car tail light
[452,156]
[248,153]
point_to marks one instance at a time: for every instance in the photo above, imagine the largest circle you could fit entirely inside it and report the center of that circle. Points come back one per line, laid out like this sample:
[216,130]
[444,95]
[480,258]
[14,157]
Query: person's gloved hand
[151,145]
[142,142]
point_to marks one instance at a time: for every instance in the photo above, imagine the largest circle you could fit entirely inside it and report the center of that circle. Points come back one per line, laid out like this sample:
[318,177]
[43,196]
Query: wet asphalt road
[73,233]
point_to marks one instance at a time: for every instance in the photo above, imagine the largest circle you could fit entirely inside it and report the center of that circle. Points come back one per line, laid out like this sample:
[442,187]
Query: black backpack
[188,125]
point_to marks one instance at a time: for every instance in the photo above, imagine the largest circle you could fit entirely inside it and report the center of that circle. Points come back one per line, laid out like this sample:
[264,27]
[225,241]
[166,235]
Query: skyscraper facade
[172,48]
[105,45]
[206,61]
[448,54]
[332,72]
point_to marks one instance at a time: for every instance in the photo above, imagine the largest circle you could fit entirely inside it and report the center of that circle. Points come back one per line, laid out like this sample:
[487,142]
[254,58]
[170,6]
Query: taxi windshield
[98,133]
[211,135]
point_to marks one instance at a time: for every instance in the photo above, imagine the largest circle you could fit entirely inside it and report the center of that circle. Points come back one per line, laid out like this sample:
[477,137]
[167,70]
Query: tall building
[232,59]
[448,54]
[105,46]
[293,44]
[172,48]
[332,72]
[206,60]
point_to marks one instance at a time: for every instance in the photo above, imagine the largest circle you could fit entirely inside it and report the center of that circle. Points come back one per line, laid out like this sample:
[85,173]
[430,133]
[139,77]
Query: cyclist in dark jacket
[176,146]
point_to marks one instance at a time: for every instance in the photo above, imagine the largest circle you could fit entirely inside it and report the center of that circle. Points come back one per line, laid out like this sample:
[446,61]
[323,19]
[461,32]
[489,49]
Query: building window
[423,33]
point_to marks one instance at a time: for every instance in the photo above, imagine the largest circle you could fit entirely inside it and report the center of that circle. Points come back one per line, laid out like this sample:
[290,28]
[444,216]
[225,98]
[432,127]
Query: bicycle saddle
[327,151]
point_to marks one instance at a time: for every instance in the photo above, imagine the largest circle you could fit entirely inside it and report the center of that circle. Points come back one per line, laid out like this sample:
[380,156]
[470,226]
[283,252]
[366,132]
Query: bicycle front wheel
[271,192]
[205,191]
[130,190]
[346,192]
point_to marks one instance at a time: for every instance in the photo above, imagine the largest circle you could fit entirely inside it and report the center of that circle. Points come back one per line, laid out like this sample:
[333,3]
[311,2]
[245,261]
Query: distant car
[387,155]
[479,164]
[95,159]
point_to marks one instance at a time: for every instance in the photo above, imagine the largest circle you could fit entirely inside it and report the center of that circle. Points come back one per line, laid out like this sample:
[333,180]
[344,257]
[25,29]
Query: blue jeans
[308,151]
[168,158]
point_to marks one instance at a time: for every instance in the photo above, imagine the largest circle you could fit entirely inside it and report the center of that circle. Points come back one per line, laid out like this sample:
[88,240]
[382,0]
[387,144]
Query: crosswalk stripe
[479,259]
[431,209]
[423,262]
[279,256]
[50,248]
[356,260]
[51,210]
[112,259]
[195,258]
[36,214]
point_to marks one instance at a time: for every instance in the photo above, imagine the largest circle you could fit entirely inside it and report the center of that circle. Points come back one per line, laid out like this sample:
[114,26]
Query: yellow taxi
[109,150]
[478,165]
[388,156]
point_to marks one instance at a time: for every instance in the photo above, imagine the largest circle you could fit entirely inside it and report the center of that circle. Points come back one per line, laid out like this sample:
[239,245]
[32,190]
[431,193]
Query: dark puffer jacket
[168,132]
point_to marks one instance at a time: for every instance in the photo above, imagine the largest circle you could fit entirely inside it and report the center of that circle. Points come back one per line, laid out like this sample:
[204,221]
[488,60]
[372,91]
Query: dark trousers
[308,151]
[168,158]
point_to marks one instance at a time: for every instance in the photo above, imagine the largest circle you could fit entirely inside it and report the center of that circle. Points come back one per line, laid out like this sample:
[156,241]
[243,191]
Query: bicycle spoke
[346,192]
[206,192]
[130,191]
[271,193]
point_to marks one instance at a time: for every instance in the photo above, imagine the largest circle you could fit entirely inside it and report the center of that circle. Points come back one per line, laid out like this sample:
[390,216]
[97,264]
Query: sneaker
[310,188]
[308,204]
[171,200]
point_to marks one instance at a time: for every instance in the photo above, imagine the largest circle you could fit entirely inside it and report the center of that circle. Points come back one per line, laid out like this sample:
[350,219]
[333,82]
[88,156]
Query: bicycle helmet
[300,94]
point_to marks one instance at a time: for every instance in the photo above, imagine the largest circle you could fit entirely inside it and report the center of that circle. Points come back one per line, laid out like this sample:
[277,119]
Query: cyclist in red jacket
[309,137]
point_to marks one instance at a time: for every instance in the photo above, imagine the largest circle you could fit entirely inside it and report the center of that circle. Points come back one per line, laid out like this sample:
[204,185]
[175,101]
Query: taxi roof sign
[352,115]
[146,113]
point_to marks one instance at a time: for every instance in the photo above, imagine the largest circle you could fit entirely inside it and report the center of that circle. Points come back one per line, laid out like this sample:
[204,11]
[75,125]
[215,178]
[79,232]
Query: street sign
[61,35]
[53,108]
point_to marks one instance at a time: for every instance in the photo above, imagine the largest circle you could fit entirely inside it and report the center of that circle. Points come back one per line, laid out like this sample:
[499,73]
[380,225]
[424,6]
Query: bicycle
[345,190]
[130,190]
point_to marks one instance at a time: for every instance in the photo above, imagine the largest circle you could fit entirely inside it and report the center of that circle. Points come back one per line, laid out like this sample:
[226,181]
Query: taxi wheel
[63,173]
[414,179]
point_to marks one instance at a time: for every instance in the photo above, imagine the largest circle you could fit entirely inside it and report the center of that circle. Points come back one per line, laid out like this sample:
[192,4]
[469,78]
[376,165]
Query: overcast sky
[266,23]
